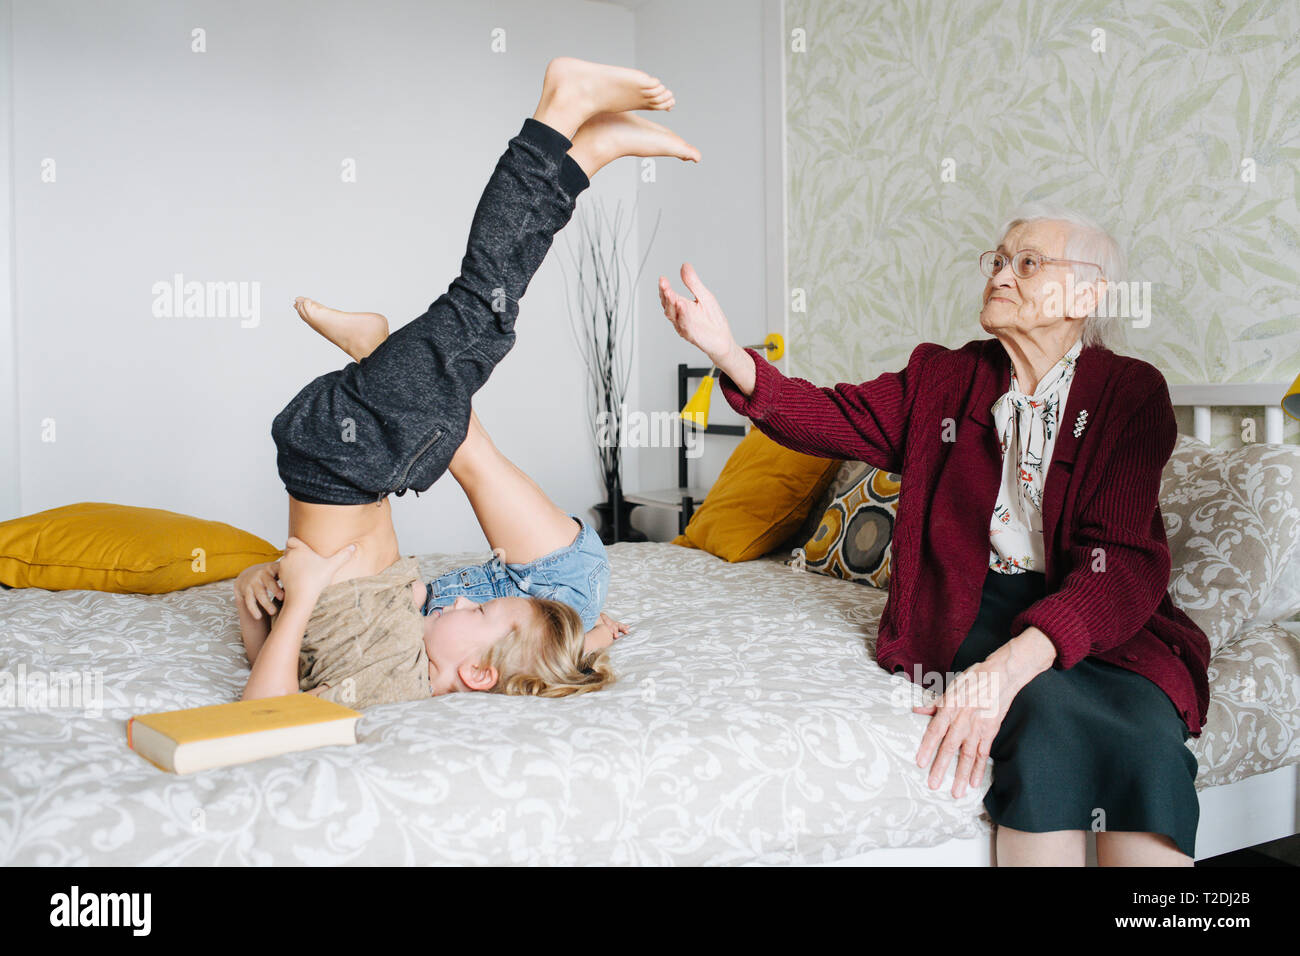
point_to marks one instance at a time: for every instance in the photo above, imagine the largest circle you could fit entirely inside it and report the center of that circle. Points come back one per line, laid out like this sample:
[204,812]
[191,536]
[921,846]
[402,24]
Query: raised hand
[699,320]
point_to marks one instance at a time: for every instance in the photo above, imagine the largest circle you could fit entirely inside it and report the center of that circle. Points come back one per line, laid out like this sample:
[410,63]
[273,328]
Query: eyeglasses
[1024,263]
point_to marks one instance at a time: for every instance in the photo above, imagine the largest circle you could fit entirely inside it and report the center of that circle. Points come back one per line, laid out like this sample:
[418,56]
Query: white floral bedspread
[750,725]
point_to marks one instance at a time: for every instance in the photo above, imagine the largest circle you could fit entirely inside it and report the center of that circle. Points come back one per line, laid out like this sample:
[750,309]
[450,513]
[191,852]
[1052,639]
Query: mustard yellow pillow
[104,547]
[763,495]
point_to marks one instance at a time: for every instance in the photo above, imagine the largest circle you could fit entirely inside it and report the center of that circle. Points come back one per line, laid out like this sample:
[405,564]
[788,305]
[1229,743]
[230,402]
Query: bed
[750,725]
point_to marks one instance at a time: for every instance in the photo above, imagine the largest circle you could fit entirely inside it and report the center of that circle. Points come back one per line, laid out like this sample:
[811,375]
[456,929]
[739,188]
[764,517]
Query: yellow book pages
[242,717]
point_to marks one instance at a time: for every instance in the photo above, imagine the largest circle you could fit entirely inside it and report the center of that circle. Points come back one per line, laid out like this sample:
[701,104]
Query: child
[350,627]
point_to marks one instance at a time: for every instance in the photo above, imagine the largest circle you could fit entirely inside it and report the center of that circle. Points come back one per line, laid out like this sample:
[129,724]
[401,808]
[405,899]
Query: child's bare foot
[607,136]
[575,90]
[357,333]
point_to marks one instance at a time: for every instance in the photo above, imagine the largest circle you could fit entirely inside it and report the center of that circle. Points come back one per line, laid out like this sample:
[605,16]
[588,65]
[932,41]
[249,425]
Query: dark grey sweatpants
[394,420]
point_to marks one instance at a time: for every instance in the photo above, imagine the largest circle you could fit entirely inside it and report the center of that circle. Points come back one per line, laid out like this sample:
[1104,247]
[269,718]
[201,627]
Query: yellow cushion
[103,547]
[763,495]
[855,536]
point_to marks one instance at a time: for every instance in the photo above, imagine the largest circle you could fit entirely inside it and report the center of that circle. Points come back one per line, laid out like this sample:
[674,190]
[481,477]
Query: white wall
[225,166]
[8,331]
[714,214]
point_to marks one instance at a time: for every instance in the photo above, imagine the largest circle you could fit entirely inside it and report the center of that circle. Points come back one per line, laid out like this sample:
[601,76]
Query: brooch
[1080,422]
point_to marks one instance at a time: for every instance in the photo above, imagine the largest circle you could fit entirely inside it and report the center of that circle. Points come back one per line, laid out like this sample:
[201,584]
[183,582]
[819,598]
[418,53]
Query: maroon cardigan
[932,423]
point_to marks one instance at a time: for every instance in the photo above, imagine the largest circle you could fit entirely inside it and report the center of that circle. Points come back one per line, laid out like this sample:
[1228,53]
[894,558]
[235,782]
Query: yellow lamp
[1291,401]
[696,411]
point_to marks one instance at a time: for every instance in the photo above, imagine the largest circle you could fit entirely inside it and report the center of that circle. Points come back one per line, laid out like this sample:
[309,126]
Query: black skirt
[1095,747]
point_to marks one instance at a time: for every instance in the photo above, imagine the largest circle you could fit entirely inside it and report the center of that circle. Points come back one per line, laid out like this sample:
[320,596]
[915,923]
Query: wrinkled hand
[964,722]
[969,714]
[306,573]
[259,585]
[699,321]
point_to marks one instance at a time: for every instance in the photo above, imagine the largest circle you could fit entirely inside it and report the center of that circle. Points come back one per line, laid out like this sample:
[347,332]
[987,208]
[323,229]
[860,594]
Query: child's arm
[275,672]
[305,574]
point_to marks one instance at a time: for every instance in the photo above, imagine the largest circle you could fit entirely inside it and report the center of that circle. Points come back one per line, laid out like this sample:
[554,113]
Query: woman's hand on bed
[963,723]
[305,573]
[257,587]
[969,715]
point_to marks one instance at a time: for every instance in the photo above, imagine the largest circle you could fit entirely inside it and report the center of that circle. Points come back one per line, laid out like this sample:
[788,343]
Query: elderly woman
[1046,587]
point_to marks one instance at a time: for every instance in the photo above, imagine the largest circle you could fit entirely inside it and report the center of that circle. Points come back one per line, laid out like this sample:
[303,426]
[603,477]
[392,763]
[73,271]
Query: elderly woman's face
[1013,304]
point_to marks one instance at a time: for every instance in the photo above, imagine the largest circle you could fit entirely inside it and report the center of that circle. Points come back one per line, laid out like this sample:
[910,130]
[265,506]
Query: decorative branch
[600,297]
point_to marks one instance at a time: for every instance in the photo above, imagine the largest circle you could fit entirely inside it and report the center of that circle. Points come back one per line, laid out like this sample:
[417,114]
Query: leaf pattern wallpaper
[1175,125]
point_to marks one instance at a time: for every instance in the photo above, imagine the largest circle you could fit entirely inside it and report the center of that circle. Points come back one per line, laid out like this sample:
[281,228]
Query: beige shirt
[365,641]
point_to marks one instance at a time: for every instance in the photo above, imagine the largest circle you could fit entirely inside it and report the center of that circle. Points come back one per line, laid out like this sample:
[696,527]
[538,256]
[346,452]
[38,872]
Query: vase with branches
[600,292]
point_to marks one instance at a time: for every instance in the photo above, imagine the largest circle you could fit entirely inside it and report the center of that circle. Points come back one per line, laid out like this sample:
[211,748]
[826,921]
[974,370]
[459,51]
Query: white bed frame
[1234,816]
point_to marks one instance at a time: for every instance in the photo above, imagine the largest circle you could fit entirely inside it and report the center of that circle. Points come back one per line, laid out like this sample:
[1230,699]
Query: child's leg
[523,525]
[575,90]
[357,333]
[601,139]
[393,422]
[520,522]
[516,516]
[607,136]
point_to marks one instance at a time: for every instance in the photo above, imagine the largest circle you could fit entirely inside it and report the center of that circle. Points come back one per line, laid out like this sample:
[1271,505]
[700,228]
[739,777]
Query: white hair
[1087,242]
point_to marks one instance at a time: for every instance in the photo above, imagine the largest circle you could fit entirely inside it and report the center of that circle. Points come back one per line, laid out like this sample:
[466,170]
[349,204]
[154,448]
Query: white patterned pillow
[1284,603]
[1233,522]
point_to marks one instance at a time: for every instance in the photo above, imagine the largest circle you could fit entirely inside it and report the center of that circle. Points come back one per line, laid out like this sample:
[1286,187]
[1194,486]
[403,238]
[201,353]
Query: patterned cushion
[853,539]
[1232,519]
[1283,604]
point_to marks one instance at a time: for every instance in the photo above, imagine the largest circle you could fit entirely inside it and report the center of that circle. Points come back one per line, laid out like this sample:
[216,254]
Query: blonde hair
[544,658]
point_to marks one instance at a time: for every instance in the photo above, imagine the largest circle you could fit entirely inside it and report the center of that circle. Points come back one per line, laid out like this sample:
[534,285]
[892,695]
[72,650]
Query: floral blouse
[1027,426]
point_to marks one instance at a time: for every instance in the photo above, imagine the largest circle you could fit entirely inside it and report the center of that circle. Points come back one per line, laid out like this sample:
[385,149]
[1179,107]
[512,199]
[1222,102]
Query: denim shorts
[577,575]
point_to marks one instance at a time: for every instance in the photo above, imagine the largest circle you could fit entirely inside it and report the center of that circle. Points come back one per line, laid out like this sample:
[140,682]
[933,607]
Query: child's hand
[305,573]
[605,633]
[258,585]
[616,628]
